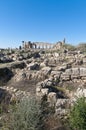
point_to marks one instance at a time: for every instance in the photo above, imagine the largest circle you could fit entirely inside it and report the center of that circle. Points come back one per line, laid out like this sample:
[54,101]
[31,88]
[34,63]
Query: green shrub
[69,47]
[25,116]
[82,47]
[78,115]
[0,109]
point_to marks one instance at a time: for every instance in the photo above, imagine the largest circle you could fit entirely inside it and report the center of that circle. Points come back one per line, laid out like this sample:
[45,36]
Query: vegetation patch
[77,118]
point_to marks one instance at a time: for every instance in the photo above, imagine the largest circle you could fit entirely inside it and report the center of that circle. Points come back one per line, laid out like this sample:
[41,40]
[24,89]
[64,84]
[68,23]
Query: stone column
[23,44]
[43,46]
[46,46]
[35,46]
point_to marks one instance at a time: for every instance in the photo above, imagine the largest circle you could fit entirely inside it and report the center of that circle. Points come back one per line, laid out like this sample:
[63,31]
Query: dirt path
[24,85]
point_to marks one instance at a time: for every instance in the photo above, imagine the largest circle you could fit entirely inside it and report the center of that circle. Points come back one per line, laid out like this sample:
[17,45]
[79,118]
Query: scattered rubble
[52,72]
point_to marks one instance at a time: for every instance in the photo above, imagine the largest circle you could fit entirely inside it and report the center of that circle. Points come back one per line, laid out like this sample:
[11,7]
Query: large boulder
[62,103]
[79,62]
[80,92]
[42,65]
[75,73]
[36,55]
[45,91]
[63,67]
[82,72]
[52,97]
[46,70]
[57,73]
[62,106]
[41,92]
[5,60]
[66,75]
[84,60]
[56,54]
[33,66]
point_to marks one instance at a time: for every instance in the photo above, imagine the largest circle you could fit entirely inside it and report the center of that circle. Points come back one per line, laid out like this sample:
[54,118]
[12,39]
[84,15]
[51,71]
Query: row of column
[29,45]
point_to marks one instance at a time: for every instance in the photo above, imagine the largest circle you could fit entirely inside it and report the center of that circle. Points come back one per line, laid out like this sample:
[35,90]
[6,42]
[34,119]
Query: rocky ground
[60,75]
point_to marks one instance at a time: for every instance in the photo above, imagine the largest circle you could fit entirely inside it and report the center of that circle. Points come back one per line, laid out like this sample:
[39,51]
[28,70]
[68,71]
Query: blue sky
[42,20]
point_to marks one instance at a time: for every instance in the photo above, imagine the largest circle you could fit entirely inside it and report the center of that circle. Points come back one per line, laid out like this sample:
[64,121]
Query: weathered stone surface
[36,55]
[75,73]
[38,90]
[80,92]
[56,54]
[61,112]
[79,62]
[46,70]
[45,91]
[20,58]
[5,59]
[84,60]
[33,66]
[65,76]
[42,65]
[68,71]
[56,73]
[52,98]
[48,82]
[42,92]
[62,107]
[83,72]
[61,103]
[63,67]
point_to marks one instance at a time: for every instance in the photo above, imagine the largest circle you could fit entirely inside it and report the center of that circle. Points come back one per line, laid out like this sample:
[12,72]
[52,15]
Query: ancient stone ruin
[52,72]
[41,45]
